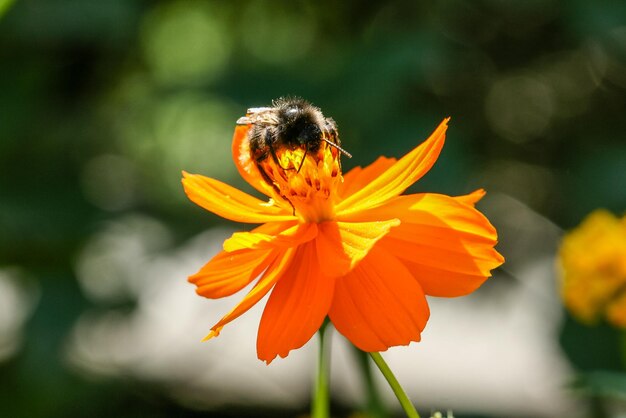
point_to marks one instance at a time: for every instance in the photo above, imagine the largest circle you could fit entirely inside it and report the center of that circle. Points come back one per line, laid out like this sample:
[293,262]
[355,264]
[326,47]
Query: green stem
[408,407]
[320,407]
[375,408]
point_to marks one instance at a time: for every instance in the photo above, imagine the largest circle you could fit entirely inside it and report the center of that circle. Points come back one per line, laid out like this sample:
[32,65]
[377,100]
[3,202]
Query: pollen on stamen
[307,180]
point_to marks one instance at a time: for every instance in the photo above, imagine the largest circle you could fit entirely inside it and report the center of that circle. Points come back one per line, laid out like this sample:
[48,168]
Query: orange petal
[290,237]
[472,198]
[273,273]
[398,177]
[266,229]
[296,308]
[379,304]
[229,202]
[358,177]
[410,208]
[228,273]
[446,244]
[342,245]
[245,164]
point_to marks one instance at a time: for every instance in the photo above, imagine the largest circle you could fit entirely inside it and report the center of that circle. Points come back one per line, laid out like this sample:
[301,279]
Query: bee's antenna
[306,151]
[332,144]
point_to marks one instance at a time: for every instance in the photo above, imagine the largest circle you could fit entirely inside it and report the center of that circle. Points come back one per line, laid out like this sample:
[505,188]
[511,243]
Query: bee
[289,123]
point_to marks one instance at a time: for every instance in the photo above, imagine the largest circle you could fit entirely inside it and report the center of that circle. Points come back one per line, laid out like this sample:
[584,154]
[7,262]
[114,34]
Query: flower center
[307,180]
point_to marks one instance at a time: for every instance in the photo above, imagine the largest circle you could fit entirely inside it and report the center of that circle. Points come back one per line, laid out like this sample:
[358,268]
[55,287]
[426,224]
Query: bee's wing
[259,116]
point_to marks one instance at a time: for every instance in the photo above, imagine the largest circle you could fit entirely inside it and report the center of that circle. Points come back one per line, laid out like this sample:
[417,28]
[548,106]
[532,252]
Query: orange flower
[347,247]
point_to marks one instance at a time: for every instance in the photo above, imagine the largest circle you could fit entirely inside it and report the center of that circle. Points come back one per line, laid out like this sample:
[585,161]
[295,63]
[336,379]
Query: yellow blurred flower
[593,269]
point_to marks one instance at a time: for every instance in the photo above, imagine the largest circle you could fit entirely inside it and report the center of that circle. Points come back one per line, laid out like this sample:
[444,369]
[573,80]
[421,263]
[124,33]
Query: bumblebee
[290,123]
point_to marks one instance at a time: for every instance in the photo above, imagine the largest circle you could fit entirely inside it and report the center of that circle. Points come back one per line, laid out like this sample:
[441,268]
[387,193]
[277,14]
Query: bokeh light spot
[276,35]
[520,108]
[108,269]
[182,130]
[184,42]
[110,182]
[18,297]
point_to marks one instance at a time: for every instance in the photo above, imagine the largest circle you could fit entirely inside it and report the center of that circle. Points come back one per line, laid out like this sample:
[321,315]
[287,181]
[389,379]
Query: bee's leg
[267,178]
[269,181]
[269,141]
[306,151]
[277,161]
[275,157]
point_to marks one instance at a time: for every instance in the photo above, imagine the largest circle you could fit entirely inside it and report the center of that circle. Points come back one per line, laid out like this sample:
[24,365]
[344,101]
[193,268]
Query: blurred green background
[103,103]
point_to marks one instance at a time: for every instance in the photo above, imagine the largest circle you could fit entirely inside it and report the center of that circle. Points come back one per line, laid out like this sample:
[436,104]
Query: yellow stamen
[308,180]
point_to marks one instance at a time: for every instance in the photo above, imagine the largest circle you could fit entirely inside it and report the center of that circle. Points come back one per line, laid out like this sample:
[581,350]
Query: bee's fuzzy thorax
[289,137]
